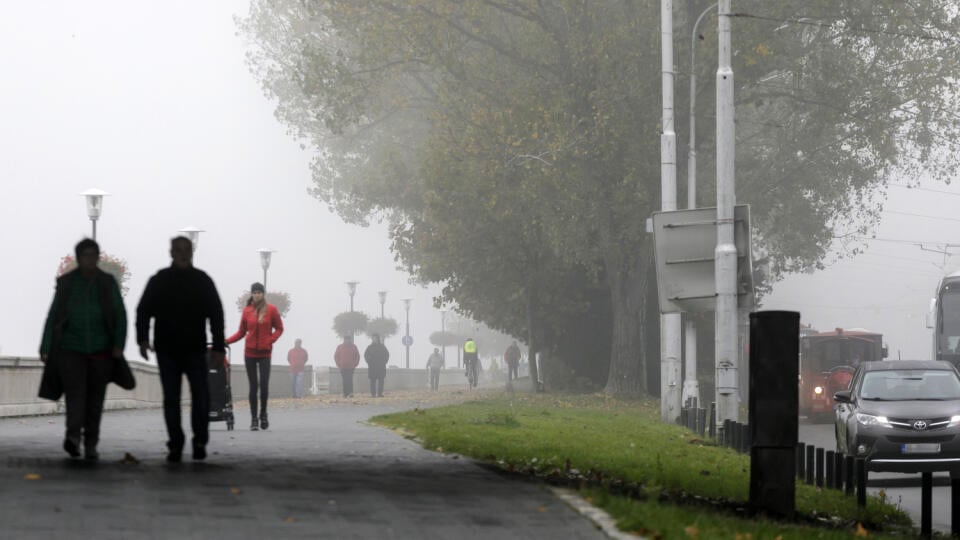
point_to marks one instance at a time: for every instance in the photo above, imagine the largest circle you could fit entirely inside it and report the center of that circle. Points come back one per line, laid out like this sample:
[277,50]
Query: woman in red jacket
[260,323]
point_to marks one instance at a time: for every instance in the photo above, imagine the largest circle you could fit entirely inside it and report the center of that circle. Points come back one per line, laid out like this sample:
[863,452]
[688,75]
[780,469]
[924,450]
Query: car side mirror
[929,319]
[843,396]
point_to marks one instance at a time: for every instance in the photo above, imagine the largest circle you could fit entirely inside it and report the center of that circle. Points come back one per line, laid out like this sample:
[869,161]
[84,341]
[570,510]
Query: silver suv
[902,416]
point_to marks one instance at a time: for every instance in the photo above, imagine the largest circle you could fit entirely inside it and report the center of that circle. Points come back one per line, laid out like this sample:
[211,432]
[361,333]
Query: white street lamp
[383,300]
[193,233]
[352,287]
[265,263]
[94,206]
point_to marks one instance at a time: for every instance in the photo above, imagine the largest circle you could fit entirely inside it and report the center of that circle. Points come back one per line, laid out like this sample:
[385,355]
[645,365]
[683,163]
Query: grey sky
[152,102]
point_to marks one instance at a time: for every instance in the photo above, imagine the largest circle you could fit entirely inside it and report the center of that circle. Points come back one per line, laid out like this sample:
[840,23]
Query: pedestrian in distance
[347,358]
[377,357]
[435,364]
[84,334]
[297,357]
[182,300]
[471,361]
[260,324]
[512,358]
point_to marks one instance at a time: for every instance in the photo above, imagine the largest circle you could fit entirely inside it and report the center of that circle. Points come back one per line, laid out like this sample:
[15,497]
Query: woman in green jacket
[85,330]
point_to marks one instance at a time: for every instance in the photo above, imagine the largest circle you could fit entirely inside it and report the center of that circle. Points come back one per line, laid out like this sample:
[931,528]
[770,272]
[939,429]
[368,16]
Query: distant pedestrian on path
[435,365]
[85,330]
[471,361]
[377,357]
[261,325]
[181,300]
[297,357]
[512,359]
[347,358]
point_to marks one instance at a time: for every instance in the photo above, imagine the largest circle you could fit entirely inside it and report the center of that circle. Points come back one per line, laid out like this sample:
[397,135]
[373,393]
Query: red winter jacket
[347,356]
[261,334]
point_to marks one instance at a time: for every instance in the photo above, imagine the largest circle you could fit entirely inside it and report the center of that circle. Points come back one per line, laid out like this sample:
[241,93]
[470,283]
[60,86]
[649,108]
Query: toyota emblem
[920,425]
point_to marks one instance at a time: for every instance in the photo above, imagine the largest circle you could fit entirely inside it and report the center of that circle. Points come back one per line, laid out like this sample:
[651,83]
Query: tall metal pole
[406,334]
[726,250]
[669,322]
[93,222]
[264,279]
[691,387]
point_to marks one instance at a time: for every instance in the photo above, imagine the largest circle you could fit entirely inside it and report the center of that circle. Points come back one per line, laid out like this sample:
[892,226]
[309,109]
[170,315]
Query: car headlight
[879,421]
[818,390]
[954,420]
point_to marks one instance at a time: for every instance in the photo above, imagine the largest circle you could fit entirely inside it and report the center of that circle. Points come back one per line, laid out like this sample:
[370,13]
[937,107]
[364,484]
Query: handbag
[121,375]
[50,386]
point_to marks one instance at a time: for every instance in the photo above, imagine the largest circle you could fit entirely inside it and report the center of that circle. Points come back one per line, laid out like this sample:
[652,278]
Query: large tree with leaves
[514,144]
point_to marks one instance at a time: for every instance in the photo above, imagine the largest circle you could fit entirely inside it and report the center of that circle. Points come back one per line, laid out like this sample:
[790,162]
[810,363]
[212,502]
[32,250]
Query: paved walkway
[320,471]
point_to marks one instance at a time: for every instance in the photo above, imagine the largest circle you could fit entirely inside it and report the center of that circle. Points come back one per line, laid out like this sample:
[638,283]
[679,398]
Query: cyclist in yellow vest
[471,361]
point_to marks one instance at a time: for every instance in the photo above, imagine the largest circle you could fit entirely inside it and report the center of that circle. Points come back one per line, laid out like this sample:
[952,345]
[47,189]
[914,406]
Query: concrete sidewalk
[319,472]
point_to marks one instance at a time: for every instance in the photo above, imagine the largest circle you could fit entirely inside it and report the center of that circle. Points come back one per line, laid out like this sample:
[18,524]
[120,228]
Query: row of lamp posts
[407,340]
[94,199]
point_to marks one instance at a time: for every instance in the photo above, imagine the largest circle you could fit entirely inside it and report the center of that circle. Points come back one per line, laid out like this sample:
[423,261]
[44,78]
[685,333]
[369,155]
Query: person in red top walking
[261,325]
[347,358]
[297,357]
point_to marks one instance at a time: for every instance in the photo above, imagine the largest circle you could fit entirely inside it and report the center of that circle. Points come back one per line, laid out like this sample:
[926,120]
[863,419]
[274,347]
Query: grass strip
[641,470]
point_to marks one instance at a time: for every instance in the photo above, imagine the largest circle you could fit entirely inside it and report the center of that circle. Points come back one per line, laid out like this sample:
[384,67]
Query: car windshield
[910,385]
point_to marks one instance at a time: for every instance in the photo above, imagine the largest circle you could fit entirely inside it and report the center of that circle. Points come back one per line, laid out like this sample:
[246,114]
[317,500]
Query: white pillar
[726,251]
[670,322]
[691,388]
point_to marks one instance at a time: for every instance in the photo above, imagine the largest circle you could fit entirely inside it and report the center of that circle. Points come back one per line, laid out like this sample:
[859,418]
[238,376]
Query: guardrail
[826,469]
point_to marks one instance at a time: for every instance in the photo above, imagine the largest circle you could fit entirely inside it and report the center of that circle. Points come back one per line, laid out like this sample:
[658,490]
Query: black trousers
[376,385]
[513,370]
[172,369]
[434,379]
[258,368]
[347,375]
[84,382]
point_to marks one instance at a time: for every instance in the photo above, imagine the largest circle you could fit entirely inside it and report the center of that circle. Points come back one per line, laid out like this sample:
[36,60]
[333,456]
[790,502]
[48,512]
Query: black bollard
[811,466]
[926,504]
[819,467]
[837,470]
[701,421]
[771,432]
[848,474]
[861,482]
[954,506]
[745,442]
[828,471]
[801,459]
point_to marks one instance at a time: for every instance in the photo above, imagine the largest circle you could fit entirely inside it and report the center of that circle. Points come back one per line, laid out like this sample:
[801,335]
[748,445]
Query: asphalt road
[320,471]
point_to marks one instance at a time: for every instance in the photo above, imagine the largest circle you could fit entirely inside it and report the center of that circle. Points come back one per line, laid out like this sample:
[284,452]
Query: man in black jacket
[181,299]
[377,357]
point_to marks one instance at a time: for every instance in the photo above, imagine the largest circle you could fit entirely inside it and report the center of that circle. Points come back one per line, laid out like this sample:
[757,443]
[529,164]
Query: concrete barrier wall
[20,381]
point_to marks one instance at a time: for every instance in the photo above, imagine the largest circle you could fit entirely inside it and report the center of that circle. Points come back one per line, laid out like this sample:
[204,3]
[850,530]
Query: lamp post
[265,264]
[691,387]
[383,300]
[407,340]
[352,288]
[94,198]
[193,233]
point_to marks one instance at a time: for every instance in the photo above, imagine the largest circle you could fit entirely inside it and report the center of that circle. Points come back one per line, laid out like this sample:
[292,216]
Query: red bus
[827,363]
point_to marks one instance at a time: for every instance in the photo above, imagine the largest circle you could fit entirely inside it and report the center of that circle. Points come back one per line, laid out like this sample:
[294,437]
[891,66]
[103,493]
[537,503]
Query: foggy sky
[152,102]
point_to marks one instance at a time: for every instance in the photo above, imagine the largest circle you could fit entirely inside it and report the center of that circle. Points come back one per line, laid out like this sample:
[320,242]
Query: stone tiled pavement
[320,471]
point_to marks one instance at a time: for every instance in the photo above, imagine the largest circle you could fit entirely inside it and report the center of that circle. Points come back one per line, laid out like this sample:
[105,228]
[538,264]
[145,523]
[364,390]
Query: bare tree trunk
[628,274]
